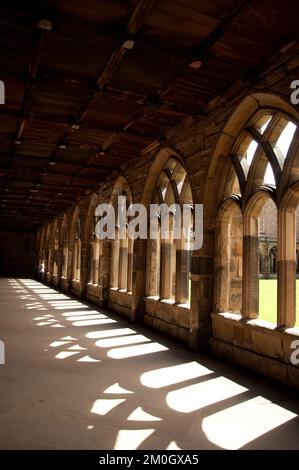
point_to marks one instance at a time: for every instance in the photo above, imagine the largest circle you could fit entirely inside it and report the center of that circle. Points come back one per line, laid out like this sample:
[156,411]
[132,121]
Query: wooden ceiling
[110,78]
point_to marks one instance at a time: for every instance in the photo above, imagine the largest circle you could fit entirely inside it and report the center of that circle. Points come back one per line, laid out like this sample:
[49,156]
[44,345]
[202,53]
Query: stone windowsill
[256,322]
[171,302]
[291,331]
[123,291]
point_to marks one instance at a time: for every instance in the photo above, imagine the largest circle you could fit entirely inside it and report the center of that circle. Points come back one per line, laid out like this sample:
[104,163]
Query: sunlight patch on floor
[102,406]
[117,389]
[134,351]
[109,333]
[122,340]
[197,396]
[174,374]
[238,425]
[65,354]
[77,347]
[173,446]
[56,344]
[140,415]
[86,317]
[88,359]
[93,322]
[80,313]
[131,439]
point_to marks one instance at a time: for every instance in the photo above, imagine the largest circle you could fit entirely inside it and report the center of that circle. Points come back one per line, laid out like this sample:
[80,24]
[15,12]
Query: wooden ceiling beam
[198,52]
[141,9]
[137,18]
[134,24]
[32,73]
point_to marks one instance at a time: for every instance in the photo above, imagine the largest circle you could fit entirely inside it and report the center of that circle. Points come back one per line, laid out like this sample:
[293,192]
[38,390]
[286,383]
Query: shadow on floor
[79,377]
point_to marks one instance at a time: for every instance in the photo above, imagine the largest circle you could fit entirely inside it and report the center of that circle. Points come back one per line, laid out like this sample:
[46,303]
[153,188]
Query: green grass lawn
[268,300]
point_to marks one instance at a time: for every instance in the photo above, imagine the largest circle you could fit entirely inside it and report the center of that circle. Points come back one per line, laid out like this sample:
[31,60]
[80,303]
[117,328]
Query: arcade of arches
[237,294]
[146,343]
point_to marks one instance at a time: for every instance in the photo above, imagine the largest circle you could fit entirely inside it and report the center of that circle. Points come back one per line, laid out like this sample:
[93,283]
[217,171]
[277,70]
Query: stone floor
[77,377]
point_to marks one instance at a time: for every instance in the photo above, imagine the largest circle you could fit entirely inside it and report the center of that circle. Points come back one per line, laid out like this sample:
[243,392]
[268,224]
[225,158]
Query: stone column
[104,270]
[286,268]
[222,267]
[95,247]
[153,268]
[130,265]
[114,268]
[182,272]
[123,264]
[139,279]
[166,274]
[85,251]
[202,270]
[78,260]
[49,265]
[59,264]
[70,261]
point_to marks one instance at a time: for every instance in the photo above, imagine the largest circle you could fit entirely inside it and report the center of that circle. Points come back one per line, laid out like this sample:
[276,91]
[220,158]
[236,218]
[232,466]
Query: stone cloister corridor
[149,231]
[80,377]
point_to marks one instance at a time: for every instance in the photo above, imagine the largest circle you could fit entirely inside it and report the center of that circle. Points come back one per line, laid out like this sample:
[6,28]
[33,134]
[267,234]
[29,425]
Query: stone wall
[256,345]
[18,254]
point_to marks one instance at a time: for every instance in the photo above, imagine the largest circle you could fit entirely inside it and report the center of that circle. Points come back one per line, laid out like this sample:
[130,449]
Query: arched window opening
[258,158]
[169,257]
[122,247]
[267,245]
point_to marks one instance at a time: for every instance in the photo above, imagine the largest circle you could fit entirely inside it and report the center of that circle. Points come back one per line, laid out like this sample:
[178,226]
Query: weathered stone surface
[245,358]
[183,335]
[272,369]
[184,317]
[149,320]
[123,299]
[222,349]
[166,328]
[223,329]
[242,335]
[293,376]
[267,342]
